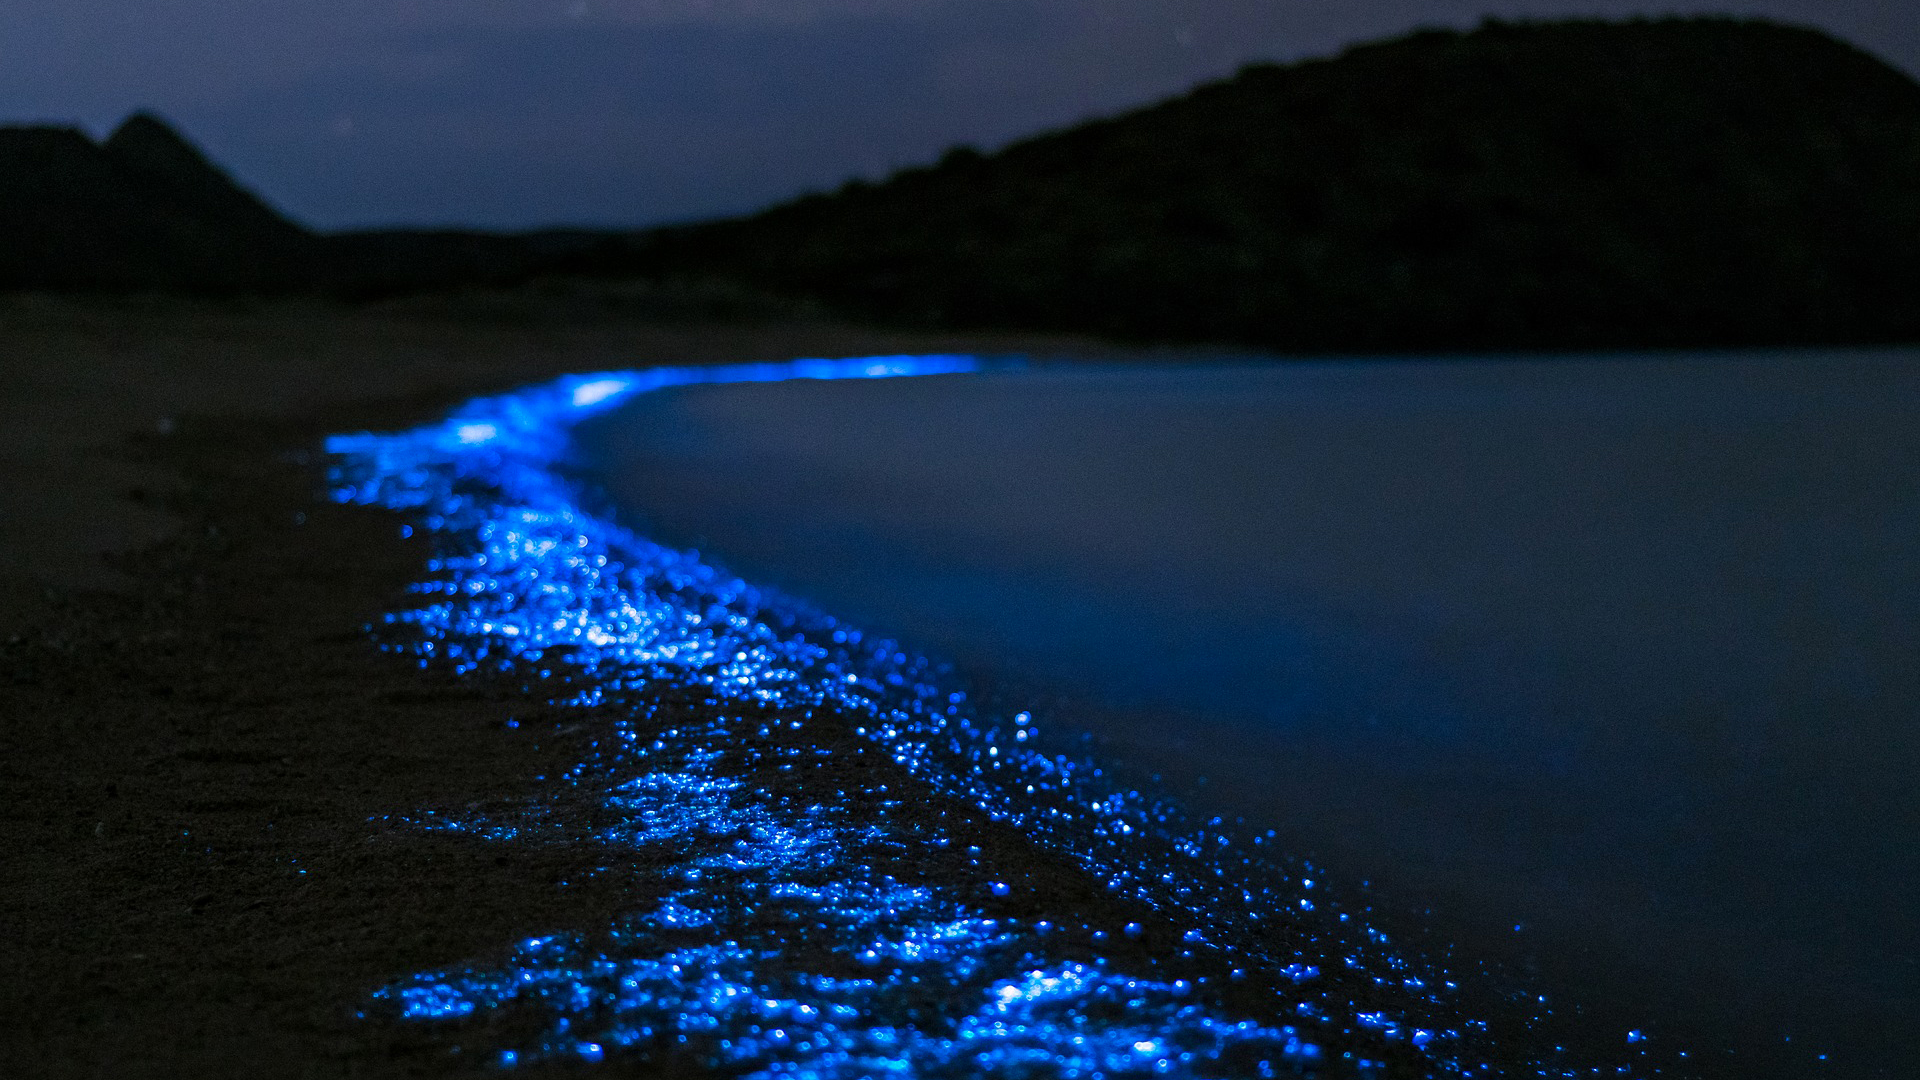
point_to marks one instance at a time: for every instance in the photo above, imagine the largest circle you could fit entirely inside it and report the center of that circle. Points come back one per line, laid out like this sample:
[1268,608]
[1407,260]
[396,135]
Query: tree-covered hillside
[1542,185]
[1538,185]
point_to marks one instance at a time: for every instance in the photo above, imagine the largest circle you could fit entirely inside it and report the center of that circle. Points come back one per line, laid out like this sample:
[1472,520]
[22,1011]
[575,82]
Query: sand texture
[196,731]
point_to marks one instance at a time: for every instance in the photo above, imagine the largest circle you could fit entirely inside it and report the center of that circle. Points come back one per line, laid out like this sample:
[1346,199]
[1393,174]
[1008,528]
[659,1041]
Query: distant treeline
[1538,185]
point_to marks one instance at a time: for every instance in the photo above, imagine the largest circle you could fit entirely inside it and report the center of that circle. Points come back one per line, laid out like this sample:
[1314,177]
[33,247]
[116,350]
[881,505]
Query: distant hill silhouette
[142,210]
[1534,185]
[1557,185]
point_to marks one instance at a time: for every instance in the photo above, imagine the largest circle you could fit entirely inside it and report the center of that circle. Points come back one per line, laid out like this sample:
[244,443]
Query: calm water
[830,861]
[1618,652]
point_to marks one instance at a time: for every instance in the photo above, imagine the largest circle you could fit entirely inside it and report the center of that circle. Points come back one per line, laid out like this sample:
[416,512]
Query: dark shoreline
[187,729]
[230,687]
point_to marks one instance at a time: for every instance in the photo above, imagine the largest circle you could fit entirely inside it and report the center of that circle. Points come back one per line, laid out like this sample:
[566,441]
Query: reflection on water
[845,869]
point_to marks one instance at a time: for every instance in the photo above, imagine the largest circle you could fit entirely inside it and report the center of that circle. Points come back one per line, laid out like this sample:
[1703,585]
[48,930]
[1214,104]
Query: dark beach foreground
[216,781]
[197,735]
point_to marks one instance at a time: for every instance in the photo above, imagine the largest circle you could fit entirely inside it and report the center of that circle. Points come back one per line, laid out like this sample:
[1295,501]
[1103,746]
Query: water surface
[1617,650]
[831,860]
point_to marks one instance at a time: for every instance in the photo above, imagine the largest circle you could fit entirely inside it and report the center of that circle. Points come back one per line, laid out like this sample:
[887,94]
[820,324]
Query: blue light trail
[820,819]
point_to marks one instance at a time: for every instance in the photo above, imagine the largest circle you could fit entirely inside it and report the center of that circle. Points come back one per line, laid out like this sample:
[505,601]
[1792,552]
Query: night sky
[520,113]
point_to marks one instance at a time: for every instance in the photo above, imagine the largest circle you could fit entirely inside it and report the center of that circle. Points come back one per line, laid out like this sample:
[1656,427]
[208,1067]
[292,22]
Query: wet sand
[196,733]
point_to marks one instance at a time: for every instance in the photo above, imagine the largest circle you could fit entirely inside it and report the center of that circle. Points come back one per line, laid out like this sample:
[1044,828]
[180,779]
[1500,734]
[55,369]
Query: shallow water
[834,862]
[1619,651]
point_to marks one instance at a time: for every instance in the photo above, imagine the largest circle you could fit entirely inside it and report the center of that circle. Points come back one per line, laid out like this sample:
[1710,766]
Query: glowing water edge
[810,805]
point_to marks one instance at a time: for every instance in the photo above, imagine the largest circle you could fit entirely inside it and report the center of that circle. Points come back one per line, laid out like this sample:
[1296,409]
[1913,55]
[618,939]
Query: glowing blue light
[599,390]
[772,934]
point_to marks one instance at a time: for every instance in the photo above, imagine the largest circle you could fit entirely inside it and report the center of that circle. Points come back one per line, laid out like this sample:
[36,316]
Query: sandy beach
[208,762]
[196,733]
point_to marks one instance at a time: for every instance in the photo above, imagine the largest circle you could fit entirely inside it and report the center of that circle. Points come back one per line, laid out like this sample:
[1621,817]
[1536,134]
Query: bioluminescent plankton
[819,820]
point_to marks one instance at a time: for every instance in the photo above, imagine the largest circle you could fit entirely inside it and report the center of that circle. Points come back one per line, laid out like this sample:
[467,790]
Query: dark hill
[1550,185]
[142,210]
[1556,185]
[146,210]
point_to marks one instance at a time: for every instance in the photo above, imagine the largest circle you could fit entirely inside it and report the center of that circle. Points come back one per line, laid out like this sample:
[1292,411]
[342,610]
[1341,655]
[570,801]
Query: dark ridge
[144,210]
[1556,185]
[1570,185]
[145,146]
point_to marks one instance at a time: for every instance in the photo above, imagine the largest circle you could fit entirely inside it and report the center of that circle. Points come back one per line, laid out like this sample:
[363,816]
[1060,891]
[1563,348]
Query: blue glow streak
[804,908]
